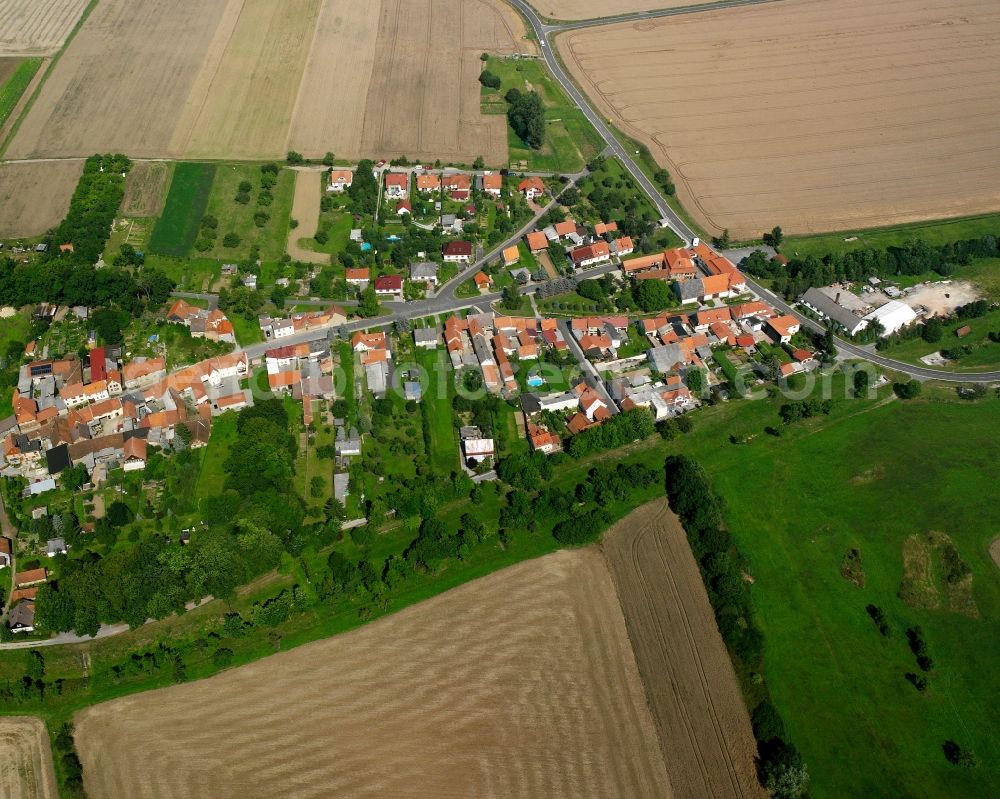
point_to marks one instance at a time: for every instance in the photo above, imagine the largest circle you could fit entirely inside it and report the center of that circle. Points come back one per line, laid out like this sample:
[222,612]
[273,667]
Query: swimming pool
[365,246]
[535,381]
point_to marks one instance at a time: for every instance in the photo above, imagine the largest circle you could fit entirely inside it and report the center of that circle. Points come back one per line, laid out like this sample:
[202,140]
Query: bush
[230,240]
[489,80]
[261,218]
[909,390]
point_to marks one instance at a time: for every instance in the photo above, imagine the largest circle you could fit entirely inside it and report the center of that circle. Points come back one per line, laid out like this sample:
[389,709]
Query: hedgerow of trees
[780,767]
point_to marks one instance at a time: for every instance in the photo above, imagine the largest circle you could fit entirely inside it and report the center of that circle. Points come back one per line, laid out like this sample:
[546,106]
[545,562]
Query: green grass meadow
[14,86]
[570,140]
[238,218]
[936,232]
[869,479]
[177,227]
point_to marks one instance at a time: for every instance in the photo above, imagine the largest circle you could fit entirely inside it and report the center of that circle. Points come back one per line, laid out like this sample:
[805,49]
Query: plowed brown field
[254,78]
[703,725]
[810,114]
[35,196]
[25,760]
[37,27]
[520,684]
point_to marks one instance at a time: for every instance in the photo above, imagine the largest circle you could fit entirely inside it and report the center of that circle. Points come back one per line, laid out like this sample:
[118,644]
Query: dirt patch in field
[8,66]
[933,570]
[145,189]
[943,298]
[851,568]
[728,101]
[35,197]
[25,759]
[305,209]
[704,728]
[37,27]
[918,589]
[521,684]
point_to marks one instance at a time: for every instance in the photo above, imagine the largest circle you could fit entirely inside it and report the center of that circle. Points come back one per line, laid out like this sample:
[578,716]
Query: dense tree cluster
[363,192]
[526,114]
[249,525]
[92,209]
[912,258]
[615,432]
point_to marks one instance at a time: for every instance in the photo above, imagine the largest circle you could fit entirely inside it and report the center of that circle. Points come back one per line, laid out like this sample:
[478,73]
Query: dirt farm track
[810,114]
[25,760]
[520,684]
[255,78]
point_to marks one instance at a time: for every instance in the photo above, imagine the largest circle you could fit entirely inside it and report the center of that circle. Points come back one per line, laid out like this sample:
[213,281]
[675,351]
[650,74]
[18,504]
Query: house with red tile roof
[359,277]
[542,440]
[511,256]
[340,180]
[389,286]
[457,251]
[590,254]
[482,280]
[493,185]
[427,183]
[537,241]
[397,185]
[531,188]
[782,328]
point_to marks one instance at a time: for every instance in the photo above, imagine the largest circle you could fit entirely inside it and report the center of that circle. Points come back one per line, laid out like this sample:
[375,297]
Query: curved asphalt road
[542,32]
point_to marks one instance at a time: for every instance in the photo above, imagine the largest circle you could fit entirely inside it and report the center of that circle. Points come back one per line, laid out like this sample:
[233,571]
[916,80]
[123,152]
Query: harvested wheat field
[254,78]
[37,27]
[145,189]
[591,9]
[35,196]
[703,725]
[810,114]
[411,85]
[25,759]
[124,81]
[249,92]
[305,210]
[520,684]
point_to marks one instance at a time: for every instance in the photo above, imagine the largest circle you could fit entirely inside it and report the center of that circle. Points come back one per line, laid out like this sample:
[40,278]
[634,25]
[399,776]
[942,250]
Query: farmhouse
[397,185]
[424,272]
[457,252]
[829,308]
[21,618]
[590,254]
[783,328]
[427,183]
[531,188]
[389,287]
[492,185]
[537,241]
[340,180]
[358,277]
